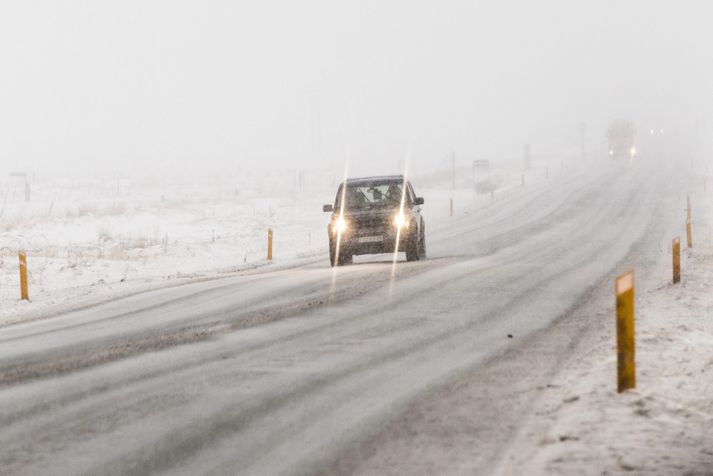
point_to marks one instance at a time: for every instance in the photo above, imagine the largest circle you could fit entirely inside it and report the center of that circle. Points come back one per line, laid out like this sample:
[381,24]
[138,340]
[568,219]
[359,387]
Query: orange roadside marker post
[676,252]
[626,365]
[269,244]
[24,293]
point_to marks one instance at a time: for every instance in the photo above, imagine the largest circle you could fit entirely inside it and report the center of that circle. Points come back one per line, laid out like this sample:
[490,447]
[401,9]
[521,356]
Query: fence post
[676,251]
[269,244]
[689,235]
[24,293]
[626,365]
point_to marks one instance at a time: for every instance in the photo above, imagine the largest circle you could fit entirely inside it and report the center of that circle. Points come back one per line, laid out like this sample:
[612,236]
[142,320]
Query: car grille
[365,223]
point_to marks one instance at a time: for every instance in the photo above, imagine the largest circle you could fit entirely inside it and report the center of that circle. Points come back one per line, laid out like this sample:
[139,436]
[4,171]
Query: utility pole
[23,176]
[315,125]
[698,138]
[453,162]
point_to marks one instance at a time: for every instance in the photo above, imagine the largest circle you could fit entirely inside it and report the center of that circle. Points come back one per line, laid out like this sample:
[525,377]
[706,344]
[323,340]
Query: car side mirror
[418,201]
[327,208]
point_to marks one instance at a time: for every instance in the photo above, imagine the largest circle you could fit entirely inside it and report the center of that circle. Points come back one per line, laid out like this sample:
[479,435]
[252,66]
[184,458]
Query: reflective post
[24,293]
[269,244]
[626,365]
[676,251]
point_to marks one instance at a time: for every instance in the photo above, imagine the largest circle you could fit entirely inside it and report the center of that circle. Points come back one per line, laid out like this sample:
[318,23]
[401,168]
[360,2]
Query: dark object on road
[509,336]
[374,214]
[622,136]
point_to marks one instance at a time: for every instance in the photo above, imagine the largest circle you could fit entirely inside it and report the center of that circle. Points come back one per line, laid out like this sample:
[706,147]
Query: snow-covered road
[303,369]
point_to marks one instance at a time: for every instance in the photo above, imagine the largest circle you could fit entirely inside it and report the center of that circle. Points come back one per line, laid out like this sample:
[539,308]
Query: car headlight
[400,220]
[340,225]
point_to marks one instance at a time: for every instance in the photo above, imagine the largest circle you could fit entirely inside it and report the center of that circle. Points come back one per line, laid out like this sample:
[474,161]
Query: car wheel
[343,258]
[332,254]
[412,249]
[422,242]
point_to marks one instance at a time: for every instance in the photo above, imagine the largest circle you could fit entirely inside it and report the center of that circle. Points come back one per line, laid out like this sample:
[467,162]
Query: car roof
[379,178]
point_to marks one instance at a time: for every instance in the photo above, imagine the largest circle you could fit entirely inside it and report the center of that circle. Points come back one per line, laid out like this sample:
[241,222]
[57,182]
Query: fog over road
[306,369]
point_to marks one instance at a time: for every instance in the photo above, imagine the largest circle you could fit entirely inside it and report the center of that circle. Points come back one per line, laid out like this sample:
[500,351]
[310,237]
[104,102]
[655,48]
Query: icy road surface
[300,370]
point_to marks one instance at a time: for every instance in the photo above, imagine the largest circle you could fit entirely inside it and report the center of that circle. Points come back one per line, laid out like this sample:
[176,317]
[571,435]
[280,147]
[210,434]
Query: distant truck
[622,139]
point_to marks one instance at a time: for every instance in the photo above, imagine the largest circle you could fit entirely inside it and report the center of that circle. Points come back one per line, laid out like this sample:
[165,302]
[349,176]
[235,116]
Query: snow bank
[664,426]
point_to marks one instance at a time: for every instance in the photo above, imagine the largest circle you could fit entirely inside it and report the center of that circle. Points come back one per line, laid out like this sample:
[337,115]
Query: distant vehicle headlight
[633,151]
[400,220]
[340,225]
[611,153]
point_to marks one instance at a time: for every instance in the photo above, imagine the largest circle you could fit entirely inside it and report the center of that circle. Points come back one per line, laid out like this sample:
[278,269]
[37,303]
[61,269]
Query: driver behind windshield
[394,192]
[368,196]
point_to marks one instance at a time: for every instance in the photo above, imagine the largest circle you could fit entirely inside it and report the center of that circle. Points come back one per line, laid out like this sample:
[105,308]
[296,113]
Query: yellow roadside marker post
[269,244]
[676,251]
[626,366]
[689,234]
[24,293]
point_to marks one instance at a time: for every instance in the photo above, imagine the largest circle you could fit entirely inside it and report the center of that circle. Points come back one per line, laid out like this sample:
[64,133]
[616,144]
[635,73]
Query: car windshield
[361,196]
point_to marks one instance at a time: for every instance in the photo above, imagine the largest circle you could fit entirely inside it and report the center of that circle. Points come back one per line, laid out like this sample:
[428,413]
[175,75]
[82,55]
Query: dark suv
[373,215]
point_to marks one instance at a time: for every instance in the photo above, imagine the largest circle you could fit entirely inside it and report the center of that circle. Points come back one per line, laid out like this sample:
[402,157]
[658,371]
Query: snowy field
[92,236]
[90,239]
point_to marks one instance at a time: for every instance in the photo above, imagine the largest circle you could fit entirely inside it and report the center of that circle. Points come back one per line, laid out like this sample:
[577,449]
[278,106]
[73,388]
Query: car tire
[342,260]
[345,259]
[332,257]
[413,249]
[422,242]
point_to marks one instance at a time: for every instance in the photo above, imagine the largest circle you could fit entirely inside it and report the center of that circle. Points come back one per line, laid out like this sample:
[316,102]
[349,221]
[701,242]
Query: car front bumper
[372,241]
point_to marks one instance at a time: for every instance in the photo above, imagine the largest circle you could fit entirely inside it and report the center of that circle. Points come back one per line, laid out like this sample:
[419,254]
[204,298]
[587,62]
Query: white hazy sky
[205,83]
